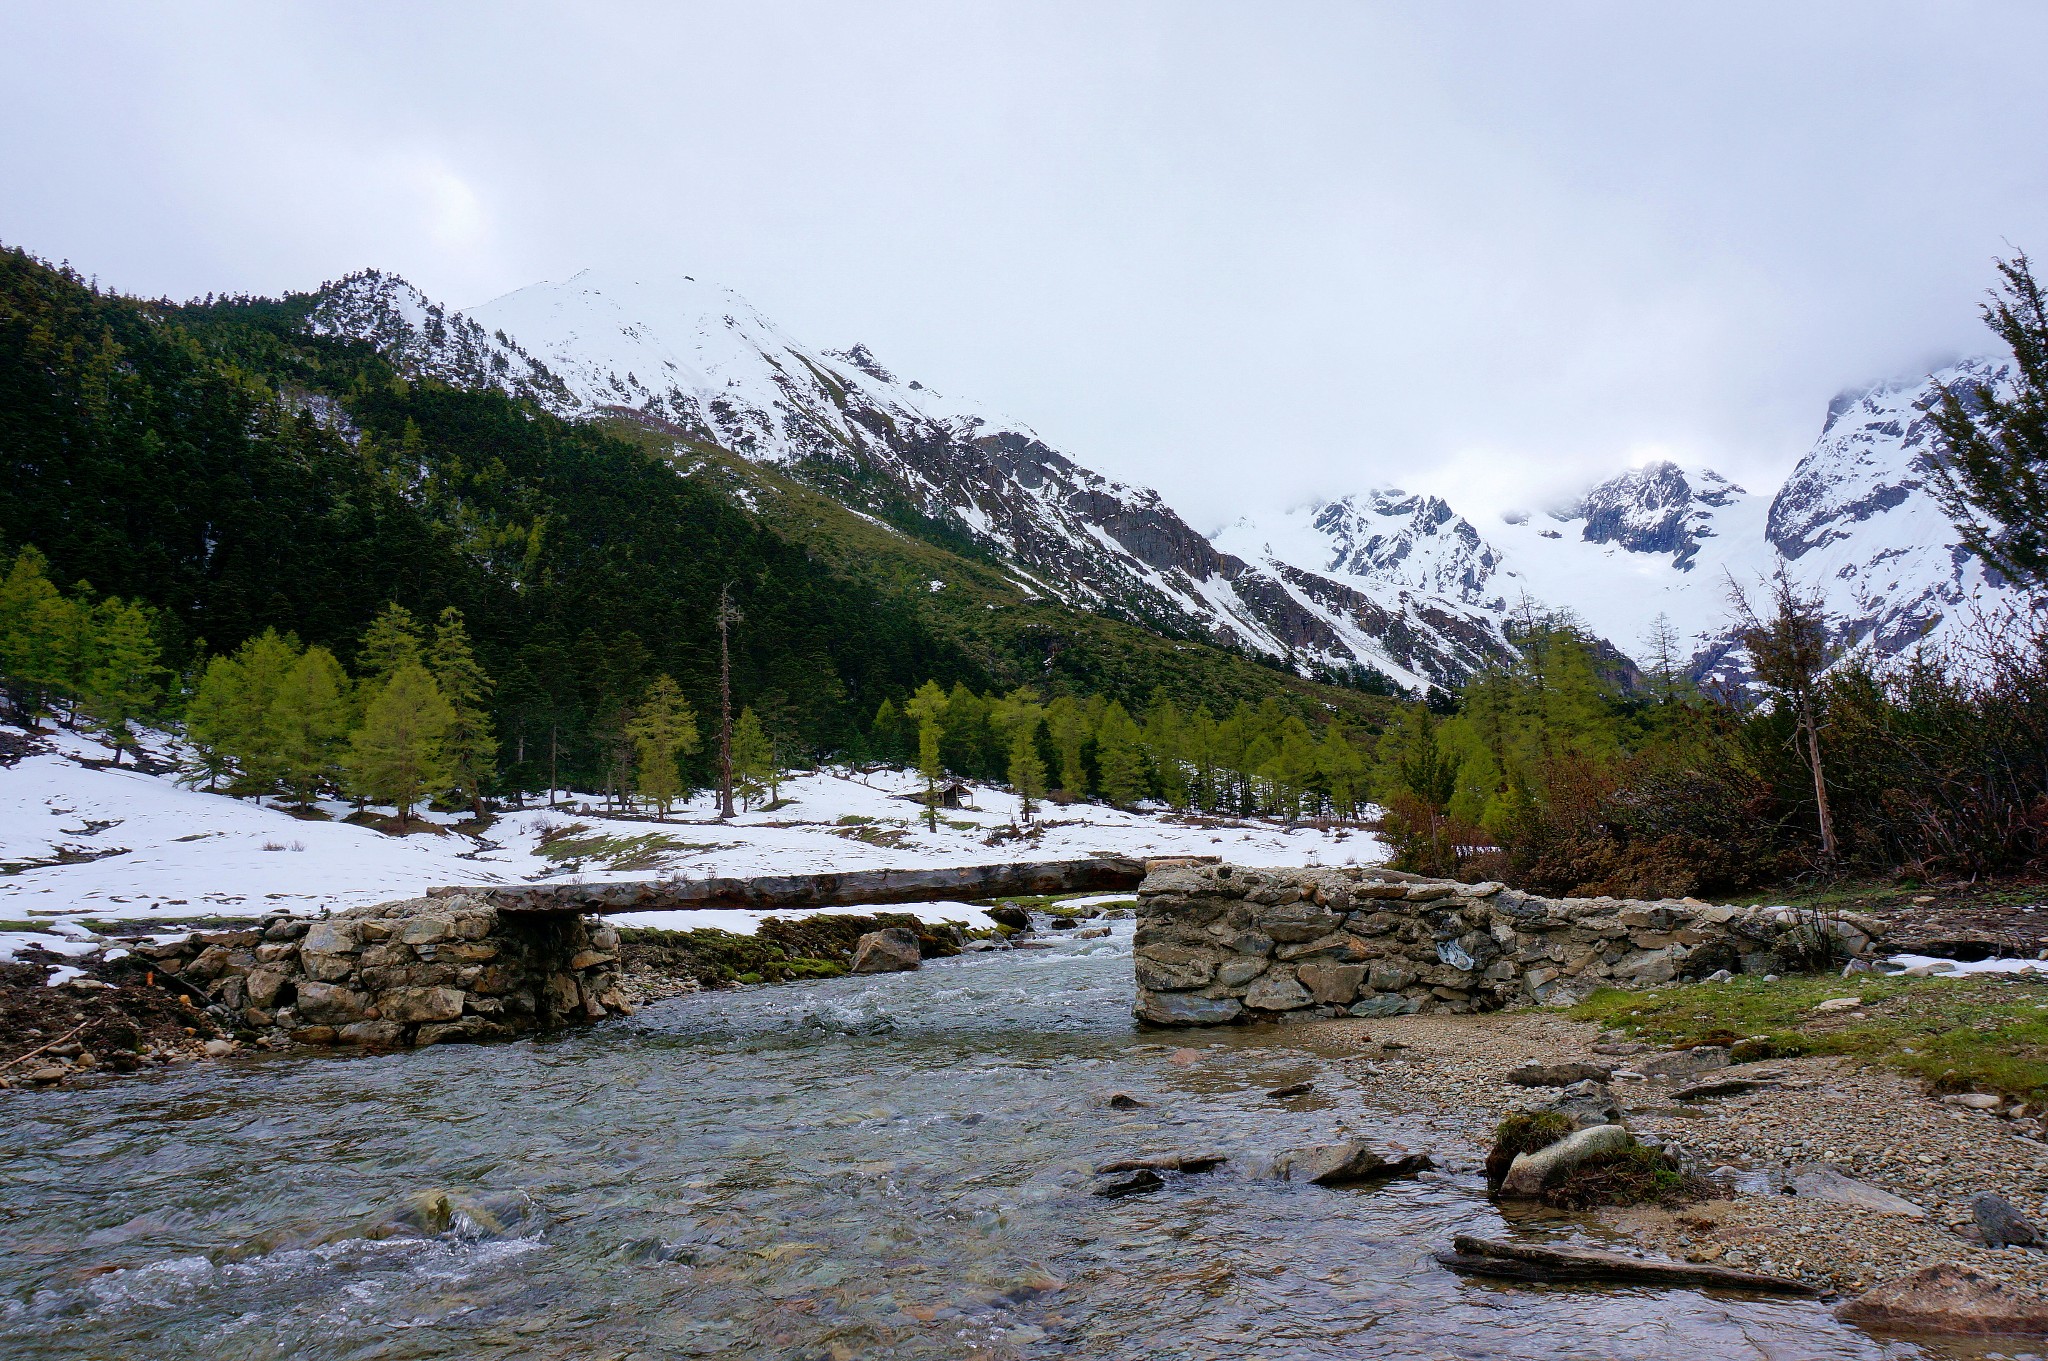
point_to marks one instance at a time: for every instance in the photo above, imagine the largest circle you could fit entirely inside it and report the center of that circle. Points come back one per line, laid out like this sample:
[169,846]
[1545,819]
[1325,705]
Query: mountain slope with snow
[1659,547]
[698,360]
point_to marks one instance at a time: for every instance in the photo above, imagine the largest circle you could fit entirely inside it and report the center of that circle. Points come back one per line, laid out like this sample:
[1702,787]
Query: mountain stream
[892,1166]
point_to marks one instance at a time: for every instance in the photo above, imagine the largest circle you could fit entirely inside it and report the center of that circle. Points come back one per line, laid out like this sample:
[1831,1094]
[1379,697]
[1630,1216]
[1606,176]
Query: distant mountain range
[1376,583]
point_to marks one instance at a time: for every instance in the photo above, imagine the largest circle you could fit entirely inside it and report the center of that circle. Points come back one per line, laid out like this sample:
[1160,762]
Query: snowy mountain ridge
[700,359]
[1384,579]
[1661,545]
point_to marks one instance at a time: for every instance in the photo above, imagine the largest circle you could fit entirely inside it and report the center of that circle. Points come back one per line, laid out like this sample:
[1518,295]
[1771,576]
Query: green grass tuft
[1981,1032]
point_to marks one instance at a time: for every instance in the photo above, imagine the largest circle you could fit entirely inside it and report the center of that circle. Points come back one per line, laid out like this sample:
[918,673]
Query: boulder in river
[1951,1299]
[1137,1181]
[1531,1172]
[1010,915]
[893,949]
[1353,1160]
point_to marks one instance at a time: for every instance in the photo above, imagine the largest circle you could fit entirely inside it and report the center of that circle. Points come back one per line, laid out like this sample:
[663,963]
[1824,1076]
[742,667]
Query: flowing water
[876,1167]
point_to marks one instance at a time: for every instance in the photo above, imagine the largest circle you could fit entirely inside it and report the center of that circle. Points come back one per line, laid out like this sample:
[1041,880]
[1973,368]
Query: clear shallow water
[892,1167]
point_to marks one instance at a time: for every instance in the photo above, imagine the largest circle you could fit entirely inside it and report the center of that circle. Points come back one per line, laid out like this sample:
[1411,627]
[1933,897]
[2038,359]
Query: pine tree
[395,756]
[928,707]
[663,728]
[306,726]
[37,625]
[119,680]
[469,747]
[1166,744]
[753,758]
[1118,757]
[394,639]
[1019,715]
[1991,464]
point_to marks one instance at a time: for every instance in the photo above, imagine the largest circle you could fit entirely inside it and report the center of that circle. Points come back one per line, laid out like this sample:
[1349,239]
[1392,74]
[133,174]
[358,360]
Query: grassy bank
[1986,1032]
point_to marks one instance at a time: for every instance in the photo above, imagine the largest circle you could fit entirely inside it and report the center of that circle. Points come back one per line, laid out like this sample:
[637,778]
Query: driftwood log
[1530,1262]
[855,888]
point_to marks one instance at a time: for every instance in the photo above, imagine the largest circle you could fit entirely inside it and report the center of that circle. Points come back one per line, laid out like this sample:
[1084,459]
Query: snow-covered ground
[167,854]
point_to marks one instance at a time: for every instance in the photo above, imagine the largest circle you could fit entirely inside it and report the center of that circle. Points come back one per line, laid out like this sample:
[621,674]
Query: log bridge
[785,892]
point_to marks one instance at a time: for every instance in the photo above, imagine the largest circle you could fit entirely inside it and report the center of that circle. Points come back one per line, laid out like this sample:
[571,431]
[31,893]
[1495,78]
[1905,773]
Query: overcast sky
[1245,253]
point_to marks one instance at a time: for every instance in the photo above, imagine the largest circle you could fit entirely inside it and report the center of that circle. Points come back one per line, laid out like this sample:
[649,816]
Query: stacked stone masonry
[1218,944]
[419,971]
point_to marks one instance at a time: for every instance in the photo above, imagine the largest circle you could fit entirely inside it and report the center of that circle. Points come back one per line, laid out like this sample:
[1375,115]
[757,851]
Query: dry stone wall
[1218,944]
[418,971]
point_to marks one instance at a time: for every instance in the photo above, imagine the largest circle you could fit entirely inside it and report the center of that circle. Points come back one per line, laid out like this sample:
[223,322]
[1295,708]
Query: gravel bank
[1872,1123]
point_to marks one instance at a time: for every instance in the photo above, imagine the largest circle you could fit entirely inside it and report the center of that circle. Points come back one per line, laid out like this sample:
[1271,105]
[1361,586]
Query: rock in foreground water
[1950,1299]
[893,949]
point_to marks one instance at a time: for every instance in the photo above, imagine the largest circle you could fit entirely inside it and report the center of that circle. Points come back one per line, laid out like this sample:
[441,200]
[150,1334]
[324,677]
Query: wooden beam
[855,888]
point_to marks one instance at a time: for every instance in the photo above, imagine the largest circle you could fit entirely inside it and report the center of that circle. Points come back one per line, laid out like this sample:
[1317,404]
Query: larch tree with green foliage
[1066,718]
[119,681]
[1019,715]
[928,708]
[395,756]
[37,625]
[228,717]
[1991,463]
[469,746]
[662,728]
[394,639]
[753,759]
[306,724]
[1120,757]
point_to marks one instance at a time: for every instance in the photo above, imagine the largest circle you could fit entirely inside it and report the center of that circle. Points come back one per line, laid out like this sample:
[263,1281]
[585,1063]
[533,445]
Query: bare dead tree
[1789,651]
[728,615]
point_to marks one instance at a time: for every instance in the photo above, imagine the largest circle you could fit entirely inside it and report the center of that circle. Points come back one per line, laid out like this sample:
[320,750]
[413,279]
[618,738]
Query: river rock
[372,1034]
[1955,1300]
[1533,1074]
[1684,1062]
[1190,1163]
[2000,1223]
[1531,1172]
[1588,1102]
[1007,914]
[1382,1004]
[1186,1009]
[893,949]
[1137,1181]
[1353,1160]
[1824,1181]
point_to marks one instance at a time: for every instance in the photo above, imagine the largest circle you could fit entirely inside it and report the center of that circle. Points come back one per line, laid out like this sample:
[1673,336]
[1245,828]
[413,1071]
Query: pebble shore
[1875,1125]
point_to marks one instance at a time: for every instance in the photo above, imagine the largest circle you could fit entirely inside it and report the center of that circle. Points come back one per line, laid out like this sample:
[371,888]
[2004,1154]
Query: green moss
[1983,1031]
[1523,1132]
[782,950]
[1636,1175]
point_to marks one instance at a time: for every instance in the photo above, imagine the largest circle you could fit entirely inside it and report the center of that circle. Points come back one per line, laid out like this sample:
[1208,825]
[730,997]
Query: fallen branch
[23,1058]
